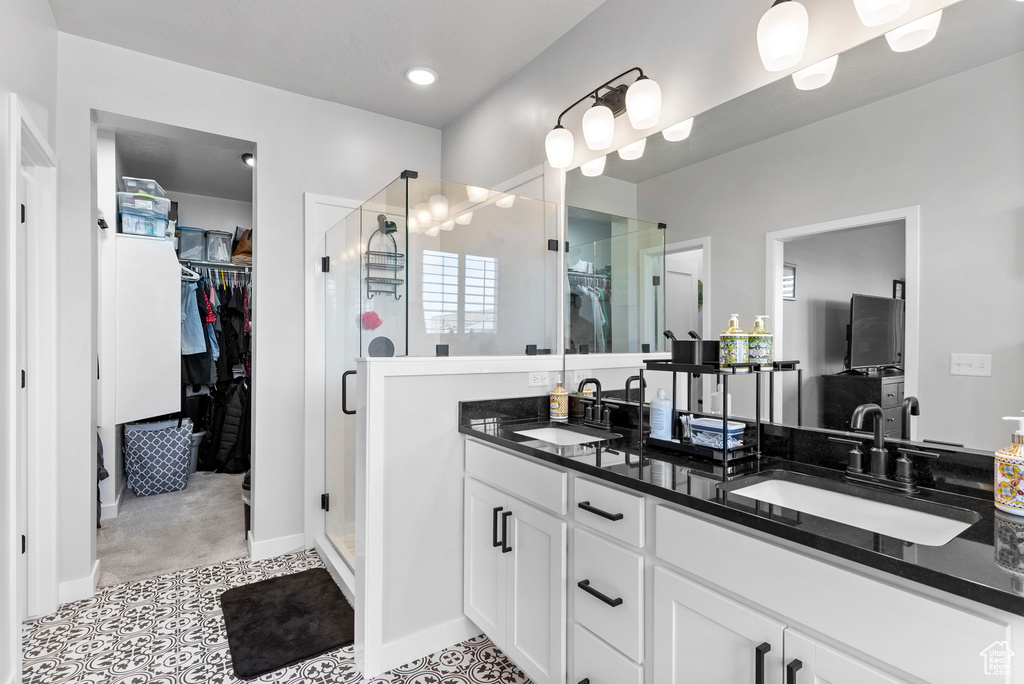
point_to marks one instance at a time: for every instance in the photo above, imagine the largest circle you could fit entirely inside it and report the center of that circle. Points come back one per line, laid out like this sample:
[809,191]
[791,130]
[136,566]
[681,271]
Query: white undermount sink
[907,524]
[563,437]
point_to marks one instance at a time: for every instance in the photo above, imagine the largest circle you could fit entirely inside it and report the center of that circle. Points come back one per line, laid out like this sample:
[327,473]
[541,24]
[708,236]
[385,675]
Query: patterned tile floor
[170,630]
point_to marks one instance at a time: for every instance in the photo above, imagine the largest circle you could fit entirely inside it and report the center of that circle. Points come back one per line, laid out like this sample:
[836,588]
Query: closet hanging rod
[215,264]
[580,274]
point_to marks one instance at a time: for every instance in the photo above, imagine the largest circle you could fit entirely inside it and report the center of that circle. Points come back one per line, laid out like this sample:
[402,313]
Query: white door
[682,314]
[809,662]
[484,563]
[21,407]
[701,637]
[536,585]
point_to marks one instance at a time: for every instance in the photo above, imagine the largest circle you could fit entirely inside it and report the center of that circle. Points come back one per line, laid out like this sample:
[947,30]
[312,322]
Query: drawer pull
[791,670]
[759,662]
[494,527]
[585,586]
[585,505]
[505,548]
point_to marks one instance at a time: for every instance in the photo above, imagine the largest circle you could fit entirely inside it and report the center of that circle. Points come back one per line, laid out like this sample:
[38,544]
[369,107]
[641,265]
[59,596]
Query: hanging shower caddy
[383,267]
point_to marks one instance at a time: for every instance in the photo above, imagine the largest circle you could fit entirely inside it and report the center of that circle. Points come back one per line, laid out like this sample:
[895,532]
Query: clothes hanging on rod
[589,321]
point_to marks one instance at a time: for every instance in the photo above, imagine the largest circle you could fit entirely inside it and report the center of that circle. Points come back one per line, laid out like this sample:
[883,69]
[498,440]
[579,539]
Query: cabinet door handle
[344,393]
[791,670]
[505,548]
[494,527]
[759,662]
[585,586]
[585,505]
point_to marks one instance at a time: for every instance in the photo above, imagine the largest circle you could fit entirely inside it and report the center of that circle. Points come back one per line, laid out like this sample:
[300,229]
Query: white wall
[956,148]
[829,269]
[28,68]
[601,193]
[701,53]
[303,144]
[211,213]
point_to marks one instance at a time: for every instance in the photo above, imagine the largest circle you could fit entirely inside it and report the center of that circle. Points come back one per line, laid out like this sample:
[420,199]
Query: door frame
[703,244]
[30,150]
[774,260]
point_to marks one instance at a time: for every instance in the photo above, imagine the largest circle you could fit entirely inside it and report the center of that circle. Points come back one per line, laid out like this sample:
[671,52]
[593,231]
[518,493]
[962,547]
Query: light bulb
[878,12]
[915,34]
[633,150]
[412,225]
[476,194]
[506,201]
[816,75]
[422,213]
[464,219]
[679,131]
[559,145]
[421,76]
[432,231]
[782,35]
[448,225]
[598,127]
[438,207]
[643,103]
[594,167]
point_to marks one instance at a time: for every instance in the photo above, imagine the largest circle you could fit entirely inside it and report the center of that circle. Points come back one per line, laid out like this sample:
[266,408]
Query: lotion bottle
[733,343]
[661,417]
[1009,472]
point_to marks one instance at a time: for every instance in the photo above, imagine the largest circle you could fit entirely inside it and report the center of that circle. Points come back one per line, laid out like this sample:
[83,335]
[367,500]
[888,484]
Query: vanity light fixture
[506,201]
[477,194]
[412,225]
[438,207]
[641,100]
[422,213]
[432,231]
[679,131]
[782,35]
[594,167]
[915,34]
[249,159]
[464,219]
[878,12]
[448,225]
[817,75]
[633,150]
[421,76]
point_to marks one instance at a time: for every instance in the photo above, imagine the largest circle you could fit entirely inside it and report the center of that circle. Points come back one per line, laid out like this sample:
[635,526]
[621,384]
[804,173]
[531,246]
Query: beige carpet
[201,525]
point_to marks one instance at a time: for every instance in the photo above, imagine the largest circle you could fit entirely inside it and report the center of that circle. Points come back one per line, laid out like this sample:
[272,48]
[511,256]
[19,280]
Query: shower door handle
[344,393]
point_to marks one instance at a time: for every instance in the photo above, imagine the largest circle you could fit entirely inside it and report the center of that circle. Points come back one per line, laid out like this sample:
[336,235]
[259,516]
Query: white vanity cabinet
[811,662]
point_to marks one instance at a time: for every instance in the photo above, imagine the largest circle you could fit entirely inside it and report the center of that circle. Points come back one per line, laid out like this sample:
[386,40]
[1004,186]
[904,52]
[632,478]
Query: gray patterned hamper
[156,456]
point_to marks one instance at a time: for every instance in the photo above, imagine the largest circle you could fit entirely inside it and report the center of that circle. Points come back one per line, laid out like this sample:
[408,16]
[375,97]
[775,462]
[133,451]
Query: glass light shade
[679,131]
[422,213]
[878,12]
[915,34]
[476,194]
[448,225]
[594,167]
[816,75]
[559,145]
[412,225]
[643,103]
[506,201]
[599,127]
[464,219]
[633,150]
[438,207]
[421,75]
[782,35]
[432,231]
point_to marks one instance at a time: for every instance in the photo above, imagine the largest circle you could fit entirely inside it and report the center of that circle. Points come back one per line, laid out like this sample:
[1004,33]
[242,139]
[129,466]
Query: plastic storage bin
[708,432]
[133,224]
[191,243]
[143,205]
[143,185]
[197,441]
[218,245]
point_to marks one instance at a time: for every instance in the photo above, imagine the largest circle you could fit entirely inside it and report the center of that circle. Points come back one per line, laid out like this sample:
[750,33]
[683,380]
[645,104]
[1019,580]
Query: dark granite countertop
[984,563]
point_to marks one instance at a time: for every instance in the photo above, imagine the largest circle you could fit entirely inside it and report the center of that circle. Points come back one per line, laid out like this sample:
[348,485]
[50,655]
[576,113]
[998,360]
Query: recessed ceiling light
[249,159]
[421,76]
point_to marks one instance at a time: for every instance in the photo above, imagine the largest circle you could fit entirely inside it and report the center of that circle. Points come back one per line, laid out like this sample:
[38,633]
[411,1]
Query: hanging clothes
[192,341]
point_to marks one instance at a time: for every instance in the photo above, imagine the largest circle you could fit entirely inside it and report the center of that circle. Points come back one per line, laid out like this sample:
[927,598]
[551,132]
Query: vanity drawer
[595,505]
[595,660]
[893,421]
[617,574]
[891,394]
[529,481]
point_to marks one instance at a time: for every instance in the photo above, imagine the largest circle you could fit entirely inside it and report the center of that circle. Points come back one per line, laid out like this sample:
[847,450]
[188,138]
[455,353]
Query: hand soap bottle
[558,407]
[661,417]
[1009,472]
[733,343]
[761,343]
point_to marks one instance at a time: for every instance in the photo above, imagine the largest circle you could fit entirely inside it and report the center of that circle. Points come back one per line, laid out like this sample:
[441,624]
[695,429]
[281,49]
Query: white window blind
[440,291]
[480,294]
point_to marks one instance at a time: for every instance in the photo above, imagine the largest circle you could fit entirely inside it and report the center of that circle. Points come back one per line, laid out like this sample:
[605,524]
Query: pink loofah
[371,321]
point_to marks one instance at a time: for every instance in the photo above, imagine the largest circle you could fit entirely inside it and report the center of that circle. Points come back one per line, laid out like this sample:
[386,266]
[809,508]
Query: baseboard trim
[112,510]
[269,548]
[339,570]
[421,644]
[81,588]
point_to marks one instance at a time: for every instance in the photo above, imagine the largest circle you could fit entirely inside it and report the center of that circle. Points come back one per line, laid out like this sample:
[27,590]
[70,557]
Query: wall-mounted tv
[876,332]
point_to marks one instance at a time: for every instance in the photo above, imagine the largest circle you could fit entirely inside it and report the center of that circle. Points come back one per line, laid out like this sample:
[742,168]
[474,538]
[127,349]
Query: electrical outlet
[539,379]
[970,364]
[579,376]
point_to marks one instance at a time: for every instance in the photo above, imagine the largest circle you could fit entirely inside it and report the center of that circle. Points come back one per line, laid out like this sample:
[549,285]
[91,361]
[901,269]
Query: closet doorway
[176,309]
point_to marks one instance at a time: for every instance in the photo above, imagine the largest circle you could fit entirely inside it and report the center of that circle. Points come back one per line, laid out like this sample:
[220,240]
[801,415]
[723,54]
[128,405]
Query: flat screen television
[876,332]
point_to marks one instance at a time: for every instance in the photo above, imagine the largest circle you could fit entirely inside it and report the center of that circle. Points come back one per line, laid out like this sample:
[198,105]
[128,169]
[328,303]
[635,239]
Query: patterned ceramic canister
[733,344]
[559,405]
[761,344]
[1009,475]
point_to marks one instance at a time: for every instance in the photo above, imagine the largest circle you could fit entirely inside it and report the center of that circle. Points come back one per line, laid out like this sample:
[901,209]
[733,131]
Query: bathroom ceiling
[353,52]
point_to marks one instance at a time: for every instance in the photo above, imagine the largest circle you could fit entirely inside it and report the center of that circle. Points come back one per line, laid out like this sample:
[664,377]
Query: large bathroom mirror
[878,220]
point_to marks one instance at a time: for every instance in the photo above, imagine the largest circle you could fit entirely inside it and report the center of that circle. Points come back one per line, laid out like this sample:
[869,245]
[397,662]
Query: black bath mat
[284,620]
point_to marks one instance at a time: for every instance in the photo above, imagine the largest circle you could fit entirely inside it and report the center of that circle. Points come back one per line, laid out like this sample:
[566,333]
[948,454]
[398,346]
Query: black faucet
[879,454]
[629,382]
[594,416]
[911,407]
[597,384]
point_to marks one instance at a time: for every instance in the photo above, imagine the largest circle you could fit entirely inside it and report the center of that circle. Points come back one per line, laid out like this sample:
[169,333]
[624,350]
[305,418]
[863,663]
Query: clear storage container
[143,205]
[134,224]
[708,432]
[143,185]
[191,243]
[218,245]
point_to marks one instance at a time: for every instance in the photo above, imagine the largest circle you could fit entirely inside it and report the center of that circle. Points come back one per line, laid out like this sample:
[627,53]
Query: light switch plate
[539,379]
[970,364]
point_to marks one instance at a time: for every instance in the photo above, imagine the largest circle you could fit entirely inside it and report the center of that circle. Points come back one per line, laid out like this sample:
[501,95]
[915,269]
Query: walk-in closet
[175,328]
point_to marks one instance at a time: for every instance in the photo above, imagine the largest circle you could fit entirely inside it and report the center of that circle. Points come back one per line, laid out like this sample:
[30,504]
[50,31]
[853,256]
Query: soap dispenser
[733,343]
[761,343]
[558,406]
[1009,472]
